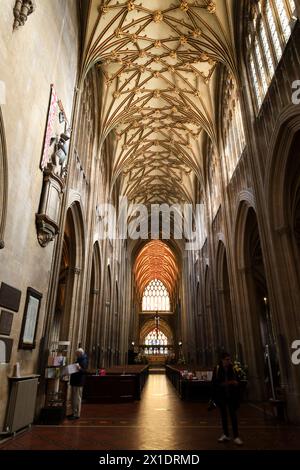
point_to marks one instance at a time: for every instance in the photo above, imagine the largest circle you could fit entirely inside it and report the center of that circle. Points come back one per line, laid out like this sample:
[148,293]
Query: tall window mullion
[241,125]
[255,80]
[283,19]
[238,130]
[273,27]
[291,5]
[265,43]
[268,33]
[261,67]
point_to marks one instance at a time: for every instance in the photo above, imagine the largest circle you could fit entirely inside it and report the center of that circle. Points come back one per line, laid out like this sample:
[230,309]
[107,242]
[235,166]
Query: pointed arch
[3,181]
[92,325]
[67,320]
[256,320]
[224,299]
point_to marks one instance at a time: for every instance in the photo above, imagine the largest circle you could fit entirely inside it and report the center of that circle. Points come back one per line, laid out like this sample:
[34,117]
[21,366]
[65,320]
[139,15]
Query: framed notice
[30,319]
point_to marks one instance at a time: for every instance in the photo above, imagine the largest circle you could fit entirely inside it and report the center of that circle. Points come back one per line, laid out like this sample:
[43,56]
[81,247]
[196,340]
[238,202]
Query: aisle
[159,421]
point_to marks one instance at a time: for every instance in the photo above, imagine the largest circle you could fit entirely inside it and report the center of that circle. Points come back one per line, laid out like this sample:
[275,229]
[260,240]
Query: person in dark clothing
[77,382]
[226,396]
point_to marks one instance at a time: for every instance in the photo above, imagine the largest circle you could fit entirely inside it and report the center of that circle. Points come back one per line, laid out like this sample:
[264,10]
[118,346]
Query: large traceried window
[157,338]
[156,343]
[156,297]
[270,27]
[234,136]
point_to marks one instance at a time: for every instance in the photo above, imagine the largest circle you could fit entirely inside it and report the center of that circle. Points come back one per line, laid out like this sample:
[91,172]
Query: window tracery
[234,135]
[270,26]
[156,297]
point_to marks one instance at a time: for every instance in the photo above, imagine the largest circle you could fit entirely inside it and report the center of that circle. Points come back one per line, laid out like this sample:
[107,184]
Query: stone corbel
[22,9]
[46,229]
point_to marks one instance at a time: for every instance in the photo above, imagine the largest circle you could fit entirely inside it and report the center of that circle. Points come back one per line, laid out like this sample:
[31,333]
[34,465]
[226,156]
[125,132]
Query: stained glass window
[156,338]
[156,297]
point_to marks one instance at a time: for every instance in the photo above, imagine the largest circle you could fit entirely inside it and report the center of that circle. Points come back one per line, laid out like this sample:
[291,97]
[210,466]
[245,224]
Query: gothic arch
[284,136]
[149,325]
[283,186]
[283,204]
[245,202]
[224,299]
[67,321]
[94,311]
[208,319]
[3,181]
[108,320]
[255,315]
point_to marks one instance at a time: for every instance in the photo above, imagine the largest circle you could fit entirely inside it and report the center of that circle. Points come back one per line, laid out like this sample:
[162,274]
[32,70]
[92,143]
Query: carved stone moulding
[22,9]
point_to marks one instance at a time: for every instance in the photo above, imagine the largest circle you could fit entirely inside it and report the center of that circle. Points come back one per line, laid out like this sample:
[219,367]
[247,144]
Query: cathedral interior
[149,214]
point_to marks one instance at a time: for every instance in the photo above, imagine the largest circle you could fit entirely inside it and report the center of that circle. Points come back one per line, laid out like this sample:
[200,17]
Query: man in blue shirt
[76,382]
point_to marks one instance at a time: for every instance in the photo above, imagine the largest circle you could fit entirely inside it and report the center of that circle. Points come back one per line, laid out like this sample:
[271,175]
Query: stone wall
[42,52]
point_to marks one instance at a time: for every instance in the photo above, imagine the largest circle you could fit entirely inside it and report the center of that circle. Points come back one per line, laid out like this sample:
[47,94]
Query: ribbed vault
[158,61]
[156,261]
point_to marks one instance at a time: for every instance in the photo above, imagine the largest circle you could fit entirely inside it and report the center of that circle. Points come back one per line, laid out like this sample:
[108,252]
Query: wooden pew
[120,384]
[188,389]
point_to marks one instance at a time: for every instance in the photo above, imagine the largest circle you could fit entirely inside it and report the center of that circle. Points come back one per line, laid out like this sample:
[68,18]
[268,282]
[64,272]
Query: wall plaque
[30,319]
[5,349]
[10,297]
[6,319]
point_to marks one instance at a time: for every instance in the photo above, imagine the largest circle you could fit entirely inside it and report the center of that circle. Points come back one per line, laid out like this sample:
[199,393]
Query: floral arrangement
[140,359]
[240,370]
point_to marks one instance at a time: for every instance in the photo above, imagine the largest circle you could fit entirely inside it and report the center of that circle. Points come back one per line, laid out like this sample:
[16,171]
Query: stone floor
[160,421]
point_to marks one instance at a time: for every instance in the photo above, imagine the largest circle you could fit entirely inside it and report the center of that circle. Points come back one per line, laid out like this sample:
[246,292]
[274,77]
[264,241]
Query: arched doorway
[208,321]
[107,330]
[65,325]
[199,327]
[228,332]
[3,181]
[117,326]
[92,339]
[259,327]
[292,181]
[283,183]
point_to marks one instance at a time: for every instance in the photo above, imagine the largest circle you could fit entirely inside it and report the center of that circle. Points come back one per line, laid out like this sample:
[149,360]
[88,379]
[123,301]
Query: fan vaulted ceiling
[158,61]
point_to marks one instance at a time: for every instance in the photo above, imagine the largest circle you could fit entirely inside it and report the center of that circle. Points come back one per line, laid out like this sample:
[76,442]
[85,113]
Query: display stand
[55,407]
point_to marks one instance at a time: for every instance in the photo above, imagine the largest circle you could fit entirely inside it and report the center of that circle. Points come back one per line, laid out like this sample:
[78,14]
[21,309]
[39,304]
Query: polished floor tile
[160,421]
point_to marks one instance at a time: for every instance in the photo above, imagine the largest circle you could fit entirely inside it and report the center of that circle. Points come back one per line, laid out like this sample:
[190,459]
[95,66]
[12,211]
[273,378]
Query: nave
[159,421]
[149,214]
